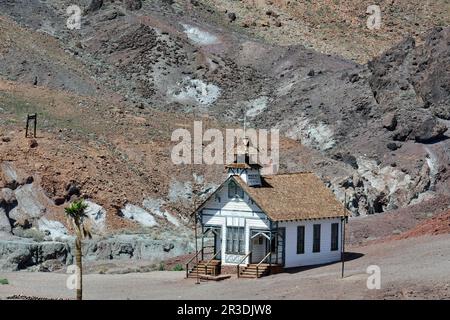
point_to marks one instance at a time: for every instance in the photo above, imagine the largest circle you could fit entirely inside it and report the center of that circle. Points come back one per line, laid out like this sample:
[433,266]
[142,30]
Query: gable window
[316,238]
[334,236]
[300,239]
[235,240]
[234,191]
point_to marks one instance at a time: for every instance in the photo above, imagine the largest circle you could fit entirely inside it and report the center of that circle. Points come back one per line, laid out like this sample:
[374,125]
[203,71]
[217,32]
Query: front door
[258,248]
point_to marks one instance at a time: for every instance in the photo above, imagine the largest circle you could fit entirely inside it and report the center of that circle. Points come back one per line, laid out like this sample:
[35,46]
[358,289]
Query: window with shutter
[300,239]
[316,238]
[235,240]
[334,236]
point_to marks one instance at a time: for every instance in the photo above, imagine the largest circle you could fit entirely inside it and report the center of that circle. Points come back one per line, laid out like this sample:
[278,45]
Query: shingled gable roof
[292,196]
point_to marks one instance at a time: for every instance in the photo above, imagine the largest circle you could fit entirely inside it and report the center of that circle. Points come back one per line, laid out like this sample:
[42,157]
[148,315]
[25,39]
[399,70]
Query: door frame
[253,234]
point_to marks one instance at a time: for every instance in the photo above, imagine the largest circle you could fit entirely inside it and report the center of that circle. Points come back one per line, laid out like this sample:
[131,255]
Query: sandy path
[412,268]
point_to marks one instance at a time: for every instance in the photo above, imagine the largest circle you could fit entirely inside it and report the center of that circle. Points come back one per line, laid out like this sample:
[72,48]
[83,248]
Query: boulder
[97,216]
[5,224]
[53,229]
[109,15]
[7,196]
[232,16]
[390,121]
[13,178]
[429,130]
[59,201]
[51,265]
[392,146]
[29,203]
[94,5]
[133,5]
[21,254]
[10,175]
[168,246]
[72,189]
[33,143]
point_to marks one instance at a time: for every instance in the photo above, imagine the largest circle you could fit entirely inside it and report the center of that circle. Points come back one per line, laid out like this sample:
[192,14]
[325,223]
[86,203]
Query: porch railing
[257,266]
[237,267]
[210,260]
[202,252]
[190,260]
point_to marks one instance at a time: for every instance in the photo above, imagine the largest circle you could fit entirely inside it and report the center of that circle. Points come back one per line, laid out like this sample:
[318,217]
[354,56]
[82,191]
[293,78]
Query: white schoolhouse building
[265,223]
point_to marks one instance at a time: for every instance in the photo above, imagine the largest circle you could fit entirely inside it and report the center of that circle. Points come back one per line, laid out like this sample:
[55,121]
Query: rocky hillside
[109,95]
[335,27]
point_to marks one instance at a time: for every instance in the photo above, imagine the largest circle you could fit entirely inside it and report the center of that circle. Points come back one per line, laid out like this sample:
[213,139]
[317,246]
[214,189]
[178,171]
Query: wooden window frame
[235,191]
[334,236]
[300,240]
[235,242]
[316,238]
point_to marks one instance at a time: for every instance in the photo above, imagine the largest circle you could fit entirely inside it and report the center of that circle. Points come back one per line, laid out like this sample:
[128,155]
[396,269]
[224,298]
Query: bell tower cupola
[243,164]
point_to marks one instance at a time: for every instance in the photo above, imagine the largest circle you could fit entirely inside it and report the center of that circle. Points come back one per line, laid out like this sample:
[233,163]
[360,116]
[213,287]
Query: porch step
[215,278]
[252,271]
[213,269]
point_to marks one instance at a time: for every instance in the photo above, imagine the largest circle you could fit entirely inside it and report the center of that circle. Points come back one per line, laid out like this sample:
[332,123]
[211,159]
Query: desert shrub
[4,281]
[161,267]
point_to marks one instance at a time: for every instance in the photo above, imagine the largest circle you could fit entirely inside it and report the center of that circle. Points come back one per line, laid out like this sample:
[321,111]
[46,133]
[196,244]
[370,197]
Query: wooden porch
[212,269]
[259,270]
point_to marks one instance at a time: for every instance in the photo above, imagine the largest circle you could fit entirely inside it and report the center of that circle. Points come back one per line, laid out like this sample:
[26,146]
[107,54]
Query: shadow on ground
[349,256]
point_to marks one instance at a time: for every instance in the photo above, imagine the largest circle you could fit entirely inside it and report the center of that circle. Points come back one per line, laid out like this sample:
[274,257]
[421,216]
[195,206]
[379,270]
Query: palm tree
[76,213]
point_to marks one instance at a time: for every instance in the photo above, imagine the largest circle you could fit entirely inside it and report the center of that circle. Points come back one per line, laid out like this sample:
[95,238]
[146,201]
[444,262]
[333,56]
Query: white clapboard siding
[233,213]
[292,259]
[231,204]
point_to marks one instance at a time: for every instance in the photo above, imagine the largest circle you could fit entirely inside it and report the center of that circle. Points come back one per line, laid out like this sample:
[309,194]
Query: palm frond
[76,212]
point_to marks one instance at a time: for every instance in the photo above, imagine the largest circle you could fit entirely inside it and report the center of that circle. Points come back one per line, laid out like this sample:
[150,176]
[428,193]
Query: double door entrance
[263,242]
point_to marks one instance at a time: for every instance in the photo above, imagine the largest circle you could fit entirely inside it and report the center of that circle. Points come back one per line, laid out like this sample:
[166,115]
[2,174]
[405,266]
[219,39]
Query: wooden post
[31,117]
[196,246]
[203,243]
[343,221]
[26,128]
[35,124]
[270,251]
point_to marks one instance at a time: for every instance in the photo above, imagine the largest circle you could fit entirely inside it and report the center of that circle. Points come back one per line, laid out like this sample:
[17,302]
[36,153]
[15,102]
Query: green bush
[4,281]
[161,267]
[178,267]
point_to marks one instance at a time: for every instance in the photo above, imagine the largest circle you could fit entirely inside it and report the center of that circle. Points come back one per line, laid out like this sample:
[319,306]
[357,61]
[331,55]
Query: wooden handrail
[246,256]
[206,265]
[257,266]
[263,259]
[198,252]
[190,260]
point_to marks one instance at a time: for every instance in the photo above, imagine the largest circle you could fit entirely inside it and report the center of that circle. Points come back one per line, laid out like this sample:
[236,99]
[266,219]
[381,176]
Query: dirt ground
[415,268]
